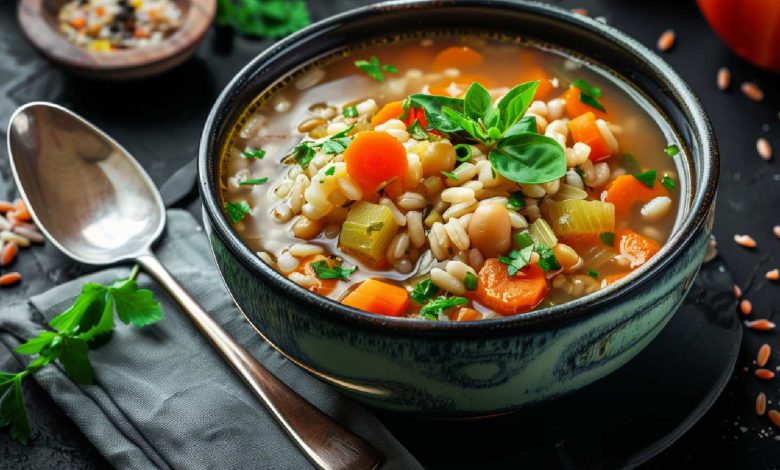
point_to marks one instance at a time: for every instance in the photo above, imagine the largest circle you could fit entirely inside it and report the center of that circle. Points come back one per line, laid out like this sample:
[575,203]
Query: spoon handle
[325,442]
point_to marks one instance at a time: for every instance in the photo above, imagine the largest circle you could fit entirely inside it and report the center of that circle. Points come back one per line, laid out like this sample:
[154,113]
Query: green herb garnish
[470,281]
[668,183]
[350,112]
[253,181]
[522,239]
[303,154]
[375,227]
[438,305]
[267,18]
[608,238]
[417,132]
[336,146]
[236,211]
[517,259]
[323,271]
[374,68]
[547,260]
[462,152]
[254,153]
[589,94]
[593,274]
[86,324]
[331,170]
[672,150]
[449,175]
[647,178]
[516,201]
[424,291]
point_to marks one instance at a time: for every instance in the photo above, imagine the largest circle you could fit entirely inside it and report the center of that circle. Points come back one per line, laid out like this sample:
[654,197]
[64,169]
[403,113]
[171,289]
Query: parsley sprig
[375,69]
[263,18]
[84,326]
[589,94]
[304,152]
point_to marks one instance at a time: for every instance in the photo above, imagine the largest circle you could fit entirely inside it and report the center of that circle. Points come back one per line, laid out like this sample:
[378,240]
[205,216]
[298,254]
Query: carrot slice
[458,57]
[374,158]
[510,295]
[78,22]
[584,129]
[635,247]
[625,191]
[392,110]
[575,107]
[378,297]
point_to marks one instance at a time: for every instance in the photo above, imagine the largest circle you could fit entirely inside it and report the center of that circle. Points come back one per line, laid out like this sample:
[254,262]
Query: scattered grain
[579,11]
[746,307]
[764,149]
[776,230]
[773,275]
[774,416]
[10,279]
[752,91]
[764,374]
[760,325]
[8,253]
[763,355]
[745,240]
[724,78]
[666,40]
[761,404]
[737,292]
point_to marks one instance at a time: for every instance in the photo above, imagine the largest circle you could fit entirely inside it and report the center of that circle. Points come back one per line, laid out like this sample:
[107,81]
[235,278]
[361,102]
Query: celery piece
[569,192]
[367,231]
[577,217]
[542,233]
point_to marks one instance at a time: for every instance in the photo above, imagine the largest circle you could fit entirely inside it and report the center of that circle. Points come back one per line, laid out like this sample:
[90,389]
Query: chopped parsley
[608,238]
[672,150]
[336,146]
[470,281]
[253,153]
[269,18]
[630,163]
[350,112]
[516,201]
[589,94]
[450,175]
[593,274]
[253,181]
[517,259]
[424,291]
[375,69]
[303,154]
[668,183]
[375,227]
[323,271]
[438,305]
[647,178]
[236,211]
[331,170]
[547,260]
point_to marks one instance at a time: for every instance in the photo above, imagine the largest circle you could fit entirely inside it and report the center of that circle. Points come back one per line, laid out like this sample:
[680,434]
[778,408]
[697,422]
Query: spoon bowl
[93,201]
[86,192]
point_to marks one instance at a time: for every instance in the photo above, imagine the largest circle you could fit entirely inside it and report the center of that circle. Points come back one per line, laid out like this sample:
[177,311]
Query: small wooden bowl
[38,19]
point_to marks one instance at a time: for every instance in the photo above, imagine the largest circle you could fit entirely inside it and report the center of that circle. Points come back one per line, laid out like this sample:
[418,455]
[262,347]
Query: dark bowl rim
[680,239]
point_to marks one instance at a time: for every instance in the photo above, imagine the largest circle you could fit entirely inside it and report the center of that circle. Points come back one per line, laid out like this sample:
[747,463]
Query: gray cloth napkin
[163,398]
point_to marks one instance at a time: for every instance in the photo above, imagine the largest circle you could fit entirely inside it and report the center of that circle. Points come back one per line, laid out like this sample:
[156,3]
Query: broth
[313,107]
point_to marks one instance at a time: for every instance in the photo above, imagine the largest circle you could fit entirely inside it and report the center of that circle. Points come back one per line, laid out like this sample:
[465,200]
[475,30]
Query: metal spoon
[96,204]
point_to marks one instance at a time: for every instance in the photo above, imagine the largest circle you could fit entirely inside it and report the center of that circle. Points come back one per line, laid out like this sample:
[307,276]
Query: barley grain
[764,149]
[764,374]
[666,40]
[764,352]
[752,91]
[724,78]
[745,240]
[761,404]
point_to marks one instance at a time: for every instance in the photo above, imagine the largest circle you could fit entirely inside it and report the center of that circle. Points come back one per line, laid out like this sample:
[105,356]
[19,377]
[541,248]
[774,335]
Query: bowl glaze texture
[452,369]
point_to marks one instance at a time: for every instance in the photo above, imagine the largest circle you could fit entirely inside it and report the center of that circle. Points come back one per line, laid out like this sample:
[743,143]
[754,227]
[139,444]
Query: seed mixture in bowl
[452,179]
[107,25]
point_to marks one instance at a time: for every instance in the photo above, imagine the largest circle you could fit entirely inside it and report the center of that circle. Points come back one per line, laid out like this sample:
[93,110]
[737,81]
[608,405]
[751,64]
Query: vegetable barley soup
[452,179]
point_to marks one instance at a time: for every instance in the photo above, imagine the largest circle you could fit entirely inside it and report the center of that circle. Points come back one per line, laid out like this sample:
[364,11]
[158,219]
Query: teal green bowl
[452,369]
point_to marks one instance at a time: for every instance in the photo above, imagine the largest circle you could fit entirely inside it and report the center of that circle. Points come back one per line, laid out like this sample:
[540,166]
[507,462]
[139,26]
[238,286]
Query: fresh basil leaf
[417,132]
[527,124]
[529,158]
[477,101]
[424,290]
[253,181]
[236,211]
[514,104]
[587,88]
[608,238]
[516,201]
[73,356]
[323,271]
[470,281]
[591,101]
[547,260]
[469,125]
[134,305]
[492,118]
[668,183]
[462,152]
[438,305]
[647,178]
[432,105]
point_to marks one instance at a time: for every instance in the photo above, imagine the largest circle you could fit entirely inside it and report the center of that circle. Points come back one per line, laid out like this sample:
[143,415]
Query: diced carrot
[575,107]
[321,286]
[21,212]
[510,295]
[584,129]
[378,297]
[6,206]
[392,110]
[533,72]
[466,314]
[615,277]
[625,191]
[78,22]
[635,247]
[374,158]
[459,57]
[99,11]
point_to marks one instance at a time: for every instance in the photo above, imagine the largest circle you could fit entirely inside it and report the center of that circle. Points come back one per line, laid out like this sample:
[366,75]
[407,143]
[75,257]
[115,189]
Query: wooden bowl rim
[43,32]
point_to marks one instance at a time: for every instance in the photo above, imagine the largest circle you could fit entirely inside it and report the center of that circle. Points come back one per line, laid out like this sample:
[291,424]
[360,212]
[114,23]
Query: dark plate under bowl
[451,368]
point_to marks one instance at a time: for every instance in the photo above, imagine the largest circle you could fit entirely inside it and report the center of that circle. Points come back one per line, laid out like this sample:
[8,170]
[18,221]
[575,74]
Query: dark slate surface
[159,120]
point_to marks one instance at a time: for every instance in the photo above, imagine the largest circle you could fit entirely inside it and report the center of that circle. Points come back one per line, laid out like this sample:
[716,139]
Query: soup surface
[452,178]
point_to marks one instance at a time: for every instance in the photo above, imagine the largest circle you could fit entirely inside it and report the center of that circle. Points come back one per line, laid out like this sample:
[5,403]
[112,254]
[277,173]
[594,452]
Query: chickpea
[566,256]
[490,230]
[438,157]
[306,228]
